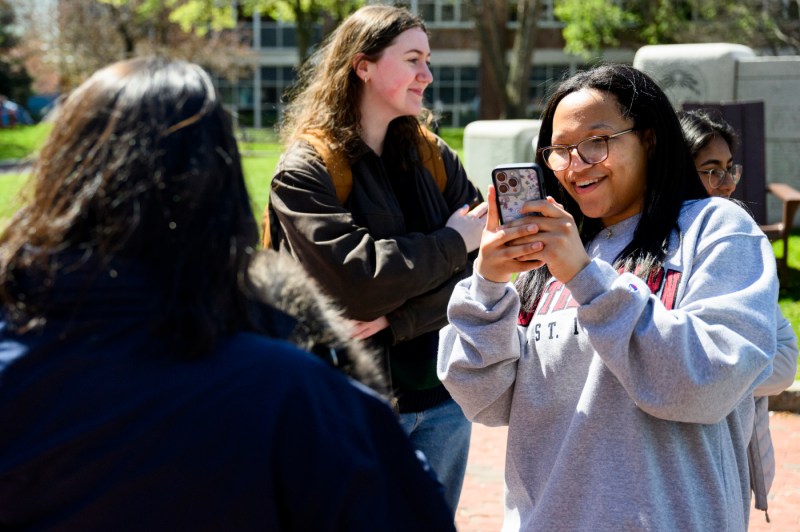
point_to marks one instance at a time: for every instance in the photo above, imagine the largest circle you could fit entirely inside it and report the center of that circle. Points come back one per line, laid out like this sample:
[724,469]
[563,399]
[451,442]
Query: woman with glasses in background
[624,358]
[711,142]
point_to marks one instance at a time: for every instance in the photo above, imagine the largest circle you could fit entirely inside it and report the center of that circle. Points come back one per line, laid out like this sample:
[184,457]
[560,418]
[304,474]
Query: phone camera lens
[501,176]
[503,188]
[513,182]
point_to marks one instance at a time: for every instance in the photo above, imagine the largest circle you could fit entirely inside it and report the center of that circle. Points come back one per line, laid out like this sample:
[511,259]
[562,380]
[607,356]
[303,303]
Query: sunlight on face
[716,155]
[397,81]
[613,189]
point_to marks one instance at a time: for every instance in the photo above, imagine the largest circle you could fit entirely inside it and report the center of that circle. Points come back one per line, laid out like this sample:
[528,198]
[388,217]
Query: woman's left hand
[562,250]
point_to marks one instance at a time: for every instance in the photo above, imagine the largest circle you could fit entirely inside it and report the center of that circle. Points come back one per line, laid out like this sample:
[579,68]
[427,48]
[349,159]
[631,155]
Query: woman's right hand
[469,224]
[562,249]
[498,256]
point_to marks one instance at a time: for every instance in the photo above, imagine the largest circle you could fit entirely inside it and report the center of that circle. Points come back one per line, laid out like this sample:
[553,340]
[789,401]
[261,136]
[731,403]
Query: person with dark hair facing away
[144,384]
[712,142]
[376,209]
[624,359]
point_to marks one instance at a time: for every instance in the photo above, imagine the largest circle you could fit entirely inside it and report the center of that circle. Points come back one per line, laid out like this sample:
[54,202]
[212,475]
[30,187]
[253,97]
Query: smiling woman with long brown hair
[375,208]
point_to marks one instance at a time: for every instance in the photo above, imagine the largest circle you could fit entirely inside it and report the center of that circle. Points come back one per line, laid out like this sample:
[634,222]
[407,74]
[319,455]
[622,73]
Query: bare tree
[93,33]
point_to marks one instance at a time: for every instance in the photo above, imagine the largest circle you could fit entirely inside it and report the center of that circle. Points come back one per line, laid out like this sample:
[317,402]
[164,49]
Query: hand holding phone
[515,184]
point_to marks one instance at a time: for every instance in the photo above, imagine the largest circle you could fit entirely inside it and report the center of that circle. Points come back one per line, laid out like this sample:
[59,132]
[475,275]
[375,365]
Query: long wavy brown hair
[327,94]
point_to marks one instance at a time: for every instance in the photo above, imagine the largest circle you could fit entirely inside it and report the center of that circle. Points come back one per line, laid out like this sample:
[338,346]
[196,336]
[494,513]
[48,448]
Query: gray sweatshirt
[761,452]
[629,403]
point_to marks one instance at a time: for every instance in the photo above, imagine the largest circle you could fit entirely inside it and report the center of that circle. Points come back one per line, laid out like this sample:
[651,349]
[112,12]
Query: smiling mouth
[583,183]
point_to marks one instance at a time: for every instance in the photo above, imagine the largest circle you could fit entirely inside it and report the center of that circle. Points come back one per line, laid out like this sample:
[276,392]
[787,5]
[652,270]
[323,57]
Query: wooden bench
[790,199]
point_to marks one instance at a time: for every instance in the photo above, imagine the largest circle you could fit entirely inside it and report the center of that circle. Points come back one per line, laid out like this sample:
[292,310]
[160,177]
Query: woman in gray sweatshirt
[624,359]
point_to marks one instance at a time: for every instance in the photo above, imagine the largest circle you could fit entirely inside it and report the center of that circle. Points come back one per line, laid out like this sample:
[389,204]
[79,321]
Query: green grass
[454,137]
[258,173]
[10,186]
[21,141]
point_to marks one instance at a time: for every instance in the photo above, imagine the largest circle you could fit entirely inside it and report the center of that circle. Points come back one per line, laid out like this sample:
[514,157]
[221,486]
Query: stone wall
[776,81]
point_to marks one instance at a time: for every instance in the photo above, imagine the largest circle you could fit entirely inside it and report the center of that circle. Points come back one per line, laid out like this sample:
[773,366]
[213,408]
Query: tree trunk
[519,70]
[490,23]
[508,79]
[304,20]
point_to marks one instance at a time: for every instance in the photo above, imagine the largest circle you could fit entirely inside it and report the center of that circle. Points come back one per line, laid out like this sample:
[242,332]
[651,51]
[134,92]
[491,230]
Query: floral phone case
[515,184]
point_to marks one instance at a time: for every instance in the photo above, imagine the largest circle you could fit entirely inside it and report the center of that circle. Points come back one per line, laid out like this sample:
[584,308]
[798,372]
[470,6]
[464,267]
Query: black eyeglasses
[591,150]
[716,176]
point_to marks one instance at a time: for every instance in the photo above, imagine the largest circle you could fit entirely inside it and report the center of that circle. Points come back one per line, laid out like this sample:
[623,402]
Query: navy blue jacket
[103,428]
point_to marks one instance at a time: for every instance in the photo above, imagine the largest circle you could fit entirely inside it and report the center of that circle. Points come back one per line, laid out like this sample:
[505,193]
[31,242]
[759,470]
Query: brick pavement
[481,506]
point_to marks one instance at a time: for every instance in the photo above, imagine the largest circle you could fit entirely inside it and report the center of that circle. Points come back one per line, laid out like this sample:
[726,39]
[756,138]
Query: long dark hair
[141,164]
[328,91]
[671,176]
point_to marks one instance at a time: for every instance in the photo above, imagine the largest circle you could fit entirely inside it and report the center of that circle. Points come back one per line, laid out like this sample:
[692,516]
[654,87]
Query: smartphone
[515,184]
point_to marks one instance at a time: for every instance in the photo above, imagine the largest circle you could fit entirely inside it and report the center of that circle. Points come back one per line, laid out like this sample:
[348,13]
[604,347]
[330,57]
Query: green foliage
[7,19]
[302,9]
[661,23]
[15,82]
[201,16]
[198,16]
[591,25]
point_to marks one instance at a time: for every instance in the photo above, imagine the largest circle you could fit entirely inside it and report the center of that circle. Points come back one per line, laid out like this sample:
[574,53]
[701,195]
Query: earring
[366,79]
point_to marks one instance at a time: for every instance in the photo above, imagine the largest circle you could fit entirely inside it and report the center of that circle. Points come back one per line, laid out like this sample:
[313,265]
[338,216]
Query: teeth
[586,182]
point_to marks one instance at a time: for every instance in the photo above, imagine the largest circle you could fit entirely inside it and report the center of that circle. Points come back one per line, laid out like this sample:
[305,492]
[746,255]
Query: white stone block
[488,143]
[693,72]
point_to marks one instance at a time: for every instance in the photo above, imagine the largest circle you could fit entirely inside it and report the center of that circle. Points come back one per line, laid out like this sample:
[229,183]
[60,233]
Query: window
[454,94]
[542,79]
[239,95]
[442,12]
[274,83]
[280,35]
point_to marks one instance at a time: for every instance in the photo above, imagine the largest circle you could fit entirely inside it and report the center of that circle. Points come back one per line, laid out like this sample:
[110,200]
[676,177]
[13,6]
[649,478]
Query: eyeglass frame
[570,147]
[726,172]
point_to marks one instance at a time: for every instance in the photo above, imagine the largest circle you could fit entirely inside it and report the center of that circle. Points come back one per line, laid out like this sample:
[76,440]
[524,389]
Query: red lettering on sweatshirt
[564,298]
[654,280]
[663,283]
[549,293]
[670,294]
